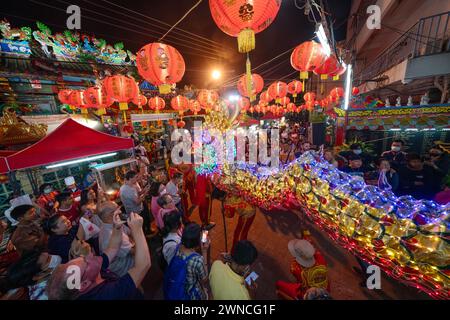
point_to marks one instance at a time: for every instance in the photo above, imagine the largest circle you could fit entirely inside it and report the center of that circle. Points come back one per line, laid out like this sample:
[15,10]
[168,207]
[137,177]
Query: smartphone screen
[204,236]
[252,276]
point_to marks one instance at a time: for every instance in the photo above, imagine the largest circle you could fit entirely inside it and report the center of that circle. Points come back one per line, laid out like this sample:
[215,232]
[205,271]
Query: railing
[433,35]
[428,36]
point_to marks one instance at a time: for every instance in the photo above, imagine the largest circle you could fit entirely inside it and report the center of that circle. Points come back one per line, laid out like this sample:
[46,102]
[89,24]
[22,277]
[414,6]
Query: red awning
[69,141]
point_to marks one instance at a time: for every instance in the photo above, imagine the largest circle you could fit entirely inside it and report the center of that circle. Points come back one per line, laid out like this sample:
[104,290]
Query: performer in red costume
[309,268]
[246,215]
[204,200]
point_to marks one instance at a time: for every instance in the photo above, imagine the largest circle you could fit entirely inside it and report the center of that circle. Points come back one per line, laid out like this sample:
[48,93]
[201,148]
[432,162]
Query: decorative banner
[15,47]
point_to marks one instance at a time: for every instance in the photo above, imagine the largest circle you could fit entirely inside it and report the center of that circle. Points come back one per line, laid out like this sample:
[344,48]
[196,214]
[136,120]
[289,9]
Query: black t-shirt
[422,184]
[60,244]
[122,288]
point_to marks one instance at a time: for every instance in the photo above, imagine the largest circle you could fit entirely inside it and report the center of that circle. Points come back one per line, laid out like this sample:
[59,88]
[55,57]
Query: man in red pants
[309,268]
[246,215]
[204,200]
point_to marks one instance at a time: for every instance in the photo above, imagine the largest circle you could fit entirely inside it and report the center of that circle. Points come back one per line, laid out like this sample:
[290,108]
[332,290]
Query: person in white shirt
[124,259]
[172,188]
[171,234]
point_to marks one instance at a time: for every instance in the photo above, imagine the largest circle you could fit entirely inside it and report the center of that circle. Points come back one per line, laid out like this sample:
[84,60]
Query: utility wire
[181,19]
[128,29]
[199,40]
[159,21]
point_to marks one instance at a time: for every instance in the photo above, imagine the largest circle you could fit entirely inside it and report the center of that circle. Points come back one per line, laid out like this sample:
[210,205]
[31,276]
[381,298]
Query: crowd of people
[421,176]
[106,238]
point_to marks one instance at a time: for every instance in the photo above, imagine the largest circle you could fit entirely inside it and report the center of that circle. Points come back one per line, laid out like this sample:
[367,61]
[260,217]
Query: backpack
[175,278]
[160,255]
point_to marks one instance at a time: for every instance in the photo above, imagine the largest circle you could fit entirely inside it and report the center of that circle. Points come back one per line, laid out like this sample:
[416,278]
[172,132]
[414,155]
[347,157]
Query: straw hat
[303,252]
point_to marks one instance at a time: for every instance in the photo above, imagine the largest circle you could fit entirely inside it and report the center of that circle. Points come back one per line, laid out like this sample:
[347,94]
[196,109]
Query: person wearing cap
[72,188]
[47,198]
[355,167]
[308,267]
[227,279]
[396,156]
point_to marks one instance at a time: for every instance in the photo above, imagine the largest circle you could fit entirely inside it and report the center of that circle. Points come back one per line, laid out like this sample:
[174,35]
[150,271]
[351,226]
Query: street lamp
[216,74]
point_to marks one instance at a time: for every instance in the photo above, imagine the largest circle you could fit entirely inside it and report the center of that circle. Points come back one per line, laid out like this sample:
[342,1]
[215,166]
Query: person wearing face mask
[72,188]
[33,271]
[438,160]
[47,198]
[395,156]
[92,285]
[356,150]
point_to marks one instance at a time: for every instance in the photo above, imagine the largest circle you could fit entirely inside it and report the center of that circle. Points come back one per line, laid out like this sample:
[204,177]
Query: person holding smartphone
[232,279]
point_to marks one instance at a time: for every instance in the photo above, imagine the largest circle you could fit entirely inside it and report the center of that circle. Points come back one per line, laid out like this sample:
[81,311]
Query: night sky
[135,29]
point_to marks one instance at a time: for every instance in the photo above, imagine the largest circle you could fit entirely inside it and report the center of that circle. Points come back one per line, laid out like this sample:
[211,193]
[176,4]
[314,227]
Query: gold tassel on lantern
[322,77]
[164,88]
[246,41]
[248,73]
[303,76]
[124,106]
[335,78]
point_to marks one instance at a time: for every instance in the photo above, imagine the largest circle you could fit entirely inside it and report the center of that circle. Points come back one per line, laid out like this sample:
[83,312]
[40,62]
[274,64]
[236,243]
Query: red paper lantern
[307,57]
[140,100]
[244,18]
[309,96]
[63,95]
[161,65]
[95,97]
[180,104]
[265,97]
[291,107]
[244,104]
[295,87]
[355,91]
[300,108]
[337,92]
[284,101]
[257,84]
[195,106]
[181,124]
[207,99]
[121,89]
[277,90]
[310,105]
[76,99]
[156,103]
[329,66]
[339,72]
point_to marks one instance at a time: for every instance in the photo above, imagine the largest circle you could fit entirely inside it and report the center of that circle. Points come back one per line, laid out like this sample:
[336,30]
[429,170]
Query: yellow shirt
[226,284]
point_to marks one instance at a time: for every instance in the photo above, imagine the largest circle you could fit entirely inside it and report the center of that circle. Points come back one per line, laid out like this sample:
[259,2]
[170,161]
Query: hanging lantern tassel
[323,77]
[246,40]
[303,76]
[123,106]
[164,88]
[248,73]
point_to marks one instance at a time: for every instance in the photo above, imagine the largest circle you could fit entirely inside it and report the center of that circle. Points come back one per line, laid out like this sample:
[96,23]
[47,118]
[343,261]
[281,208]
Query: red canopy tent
[69,141]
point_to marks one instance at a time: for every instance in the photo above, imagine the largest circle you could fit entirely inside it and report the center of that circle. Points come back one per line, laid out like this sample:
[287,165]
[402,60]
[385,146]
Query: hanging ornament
[207,99]
[195,106]
[180,104]
[156,103]
[306,57]
[256,86]
[277,90]
[161,65]
[121,89]
[294,88]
